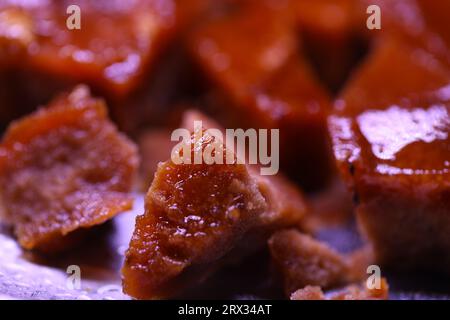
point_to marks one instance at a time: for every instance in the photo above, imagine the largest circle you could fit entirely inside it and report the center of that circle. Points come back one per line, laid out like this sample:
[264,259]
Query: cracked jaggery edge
[199,217]
[63,169]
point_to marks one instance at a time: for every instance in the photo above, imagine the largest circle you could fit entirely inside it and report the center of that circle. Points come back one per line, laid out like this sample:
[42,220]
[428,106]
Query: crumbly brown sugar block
[265,83]
[303,261]
[64,169]
[390,134]
[198,217]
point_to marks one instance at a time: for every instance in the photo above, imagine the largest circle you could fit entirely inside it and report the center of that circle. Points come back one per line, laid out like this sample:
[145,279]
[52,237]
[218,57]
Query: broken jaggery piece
[303,261]
[262,81]
[199,216]
[390,135]
[233,52]
[63,169]
[351,292]
[422,22]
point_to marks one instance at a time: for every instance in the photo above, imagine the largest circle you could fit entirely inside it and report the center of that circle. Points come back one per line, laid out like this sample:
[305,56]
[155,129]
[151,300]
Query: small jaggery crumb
[199,217]
[302,260]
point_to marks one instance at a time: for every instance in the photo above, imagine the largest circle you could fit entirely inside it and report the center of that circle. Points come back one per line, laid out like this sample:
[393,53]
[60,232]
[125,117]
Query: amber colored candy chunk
[332,37]
[351,292]
[390,136]
[64,169]
[266,84]
[198,217]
